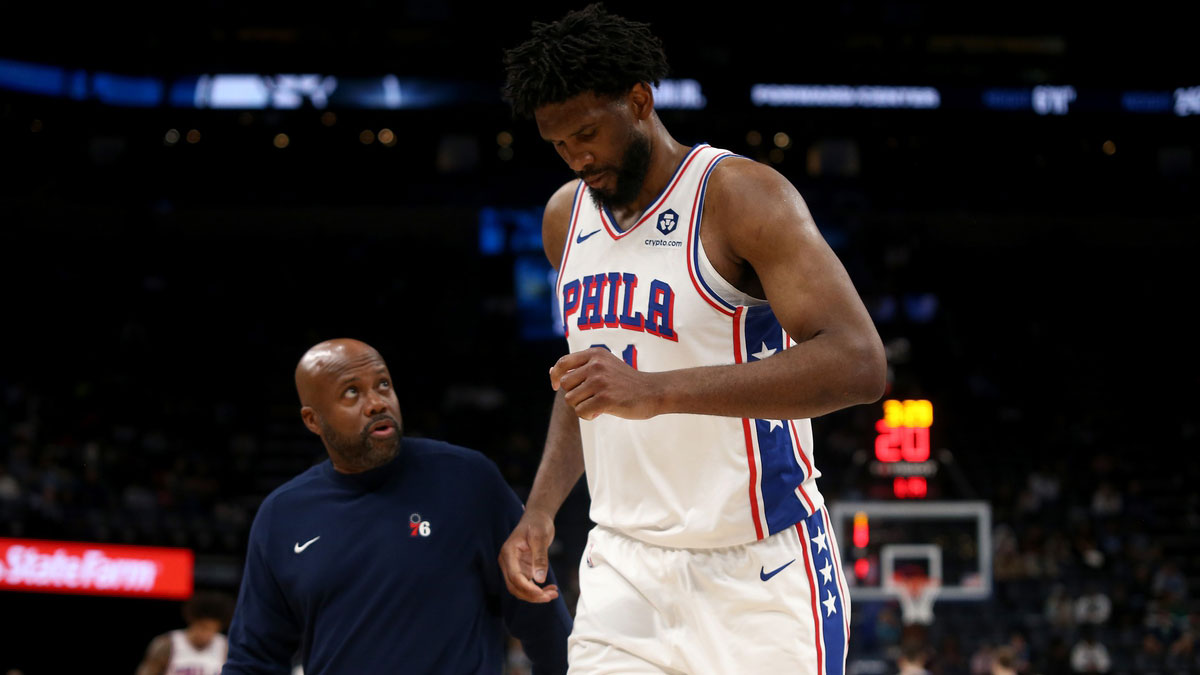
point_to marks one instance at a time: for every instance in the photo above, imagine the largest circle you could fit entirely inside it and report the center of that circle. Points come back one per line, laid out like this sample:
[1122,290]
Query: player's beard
[364,452]
[630,174]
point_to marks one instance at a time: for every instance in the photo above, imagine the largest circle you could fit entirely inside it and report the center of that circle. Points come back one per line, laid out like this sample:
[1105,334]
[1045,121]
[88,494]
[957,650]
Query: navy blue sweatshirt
[387,571]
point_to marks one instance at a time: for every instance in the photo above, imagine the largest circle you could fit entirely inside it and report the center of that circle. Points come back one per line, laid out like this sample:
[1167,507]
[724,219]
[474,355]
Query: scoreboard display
[902,450]
[907,541]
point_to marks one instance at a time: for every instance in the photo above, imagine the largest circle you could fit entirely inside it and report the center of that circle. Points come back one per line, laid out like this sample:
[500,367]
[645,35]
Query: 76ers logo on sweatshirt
[418,527]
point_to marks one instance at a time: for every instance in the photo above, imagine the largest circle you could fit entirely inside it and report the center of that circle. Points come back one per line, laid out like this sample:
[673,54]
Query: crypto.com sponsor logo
[95,569]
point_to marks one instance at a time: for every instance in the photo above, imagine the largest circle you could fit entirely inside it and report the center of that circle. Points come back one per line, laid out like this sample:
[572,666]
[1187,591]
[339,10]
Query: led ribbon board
[95,569]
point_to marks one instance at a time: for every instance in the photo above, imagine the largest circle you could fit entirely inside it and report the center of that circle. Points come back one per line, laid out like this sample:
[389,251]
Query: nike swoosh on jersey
[765,575]
[300,549]
[579,238]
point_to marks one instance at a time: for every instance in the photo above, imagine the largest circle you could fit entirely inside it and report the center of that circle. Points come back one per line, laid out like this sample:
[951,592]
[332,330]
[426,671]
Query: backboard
[887,545]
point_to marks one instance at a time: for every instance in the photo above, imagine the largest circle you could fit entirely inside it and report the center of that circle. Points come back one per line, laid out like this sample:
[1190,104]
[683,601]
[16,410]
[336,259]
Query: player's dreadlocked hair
[586,50]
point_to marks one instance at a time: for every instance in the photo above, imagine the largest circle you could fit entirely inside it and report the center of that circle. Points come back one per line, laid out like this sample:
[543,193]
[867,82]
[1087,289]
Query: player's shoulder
[556,221]
[161,647]
[749,199]
[563,199]
[745,180]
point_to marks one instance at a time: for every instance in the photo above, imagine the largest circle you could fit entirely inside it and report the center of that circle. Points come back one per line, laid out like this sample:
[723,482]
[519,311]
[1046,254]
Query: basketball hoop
[917,593]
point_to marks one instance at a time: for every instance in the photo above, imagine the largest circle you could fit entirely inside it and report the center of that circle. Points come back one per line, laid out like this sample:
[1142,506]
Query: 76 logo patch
[418,527]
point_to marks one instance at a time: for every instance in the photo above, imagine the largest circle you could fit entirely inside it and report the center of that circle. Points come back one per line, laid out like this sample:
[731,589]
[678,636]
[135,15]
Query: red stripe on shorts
[812,590]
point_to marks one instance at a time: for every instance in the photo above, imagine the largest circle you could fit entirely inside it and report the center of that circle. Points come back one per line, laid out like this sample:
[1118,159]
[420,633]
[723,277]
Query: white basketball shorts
[771,606]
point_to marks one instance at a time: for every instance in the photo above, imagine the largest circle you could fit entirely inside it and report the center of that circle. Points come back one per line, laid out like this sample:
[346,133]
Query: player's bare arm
[523,558]
[158,656]
[759,235]
[556,222]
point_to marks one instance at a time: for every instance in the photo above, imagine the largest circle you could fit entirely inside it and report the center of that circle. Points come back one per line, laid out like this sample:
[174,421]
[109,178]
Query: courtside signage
[95,569]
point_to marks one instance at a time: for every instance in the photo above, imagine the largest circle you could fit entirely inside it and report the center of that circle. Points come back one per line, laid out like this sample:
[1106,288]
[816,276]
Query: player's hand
[523,559]
[595,382]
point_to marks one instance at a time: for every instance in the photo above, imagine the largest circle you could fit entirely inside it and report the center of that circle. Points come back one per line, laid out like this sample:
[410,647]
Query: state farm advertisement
[95,569]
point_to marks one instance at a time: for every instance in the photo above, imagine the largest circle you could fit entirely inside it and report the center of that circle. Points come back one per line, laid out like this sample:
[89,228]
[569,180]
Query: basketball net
[917,593]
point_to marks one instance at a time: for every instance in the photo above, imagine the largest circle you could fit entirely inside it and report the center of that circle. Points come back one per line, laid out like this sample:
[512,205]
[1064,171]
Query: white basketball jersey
[650,295]
[187,660]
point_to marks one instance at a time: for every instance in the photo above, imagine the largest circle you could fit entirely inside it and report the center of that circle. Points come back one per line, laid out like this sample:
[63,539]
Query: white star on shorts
[819,540]
[827,572]
[828,602]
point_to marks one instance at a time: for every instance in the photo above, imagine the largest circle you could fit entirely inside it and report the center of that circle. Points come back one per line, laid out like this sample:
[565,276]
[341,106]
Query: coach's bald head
[347,399]
[329,357]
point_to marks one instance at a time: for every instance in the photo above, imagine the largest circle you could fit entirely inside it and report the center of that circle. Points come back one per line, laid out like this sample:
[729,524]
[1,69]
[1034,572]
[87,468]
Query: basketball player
[383,558]
[708,321]
[198,649]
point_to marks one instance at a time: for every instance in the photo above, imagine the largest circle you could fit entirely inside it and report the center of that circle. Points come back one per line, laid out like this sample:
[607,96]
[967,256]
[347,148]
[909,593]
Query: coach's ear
[310,419]
[641,101]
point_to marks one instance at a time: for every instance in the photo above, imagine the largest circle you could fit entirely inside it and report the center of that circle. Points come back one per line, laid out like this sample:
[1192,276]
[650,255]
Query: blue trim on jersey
[832,614]
[696,232]
[657,197]
[762,329]
[611,219]
[782,473]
